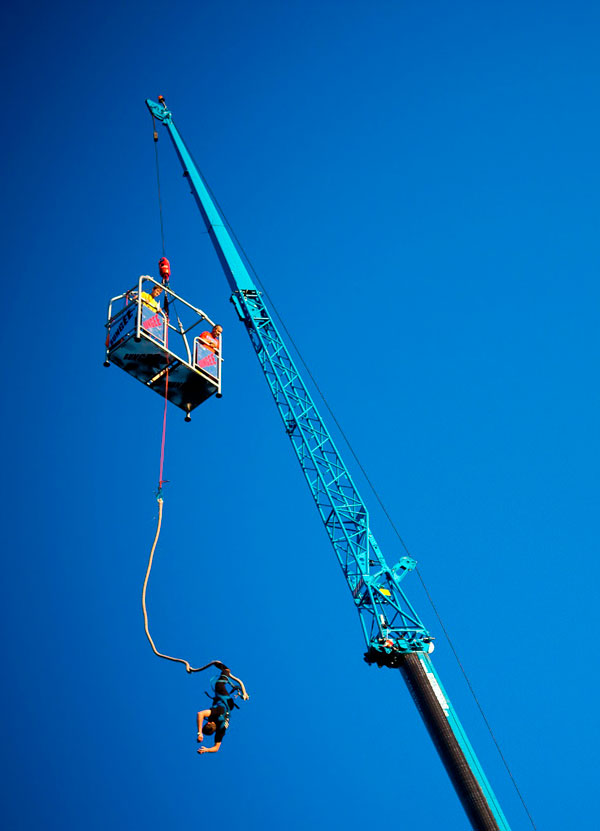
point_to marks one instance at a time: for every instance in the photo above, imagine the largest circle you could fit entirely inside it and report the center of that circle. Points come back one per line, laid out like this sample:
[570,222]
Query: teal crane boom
[394,634]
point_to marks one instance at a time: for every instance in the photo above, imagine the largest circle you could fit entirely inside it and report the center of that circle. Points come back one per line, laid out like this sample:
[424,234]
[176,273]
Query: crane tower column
[451,742]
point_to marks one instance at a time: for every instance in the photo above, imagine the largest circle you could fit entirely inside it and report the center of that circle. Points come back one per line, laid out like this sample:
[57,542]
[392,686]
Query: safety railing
[208,359]
[135,313]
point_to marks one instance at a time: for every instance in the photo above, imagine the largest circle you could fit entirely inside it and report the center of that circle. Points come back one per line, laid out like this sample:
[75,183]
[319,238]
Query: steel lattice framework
[389,621]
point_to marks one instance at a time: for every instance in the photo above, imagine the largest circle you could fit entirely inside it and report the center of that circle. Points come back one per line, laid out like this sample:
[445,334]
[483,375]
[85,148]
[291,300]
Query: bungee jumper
[226,689]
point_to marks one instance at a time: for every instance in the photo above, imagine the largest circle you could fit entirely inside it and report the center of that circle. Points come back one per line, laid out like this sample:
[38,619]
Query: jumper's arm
[394,633]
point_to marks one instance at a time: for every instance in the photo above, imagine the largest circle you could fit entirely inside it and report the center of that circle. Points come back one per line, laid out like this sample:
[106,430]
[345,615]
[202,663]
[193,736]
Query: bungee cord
[162,481]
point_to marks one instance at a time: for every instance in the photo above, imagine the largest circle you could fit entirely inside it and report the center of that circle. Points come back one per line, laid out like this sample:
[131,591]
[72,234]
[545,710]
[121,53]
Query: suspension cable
[160,209]
[164,427]
[373,489]
[399,536]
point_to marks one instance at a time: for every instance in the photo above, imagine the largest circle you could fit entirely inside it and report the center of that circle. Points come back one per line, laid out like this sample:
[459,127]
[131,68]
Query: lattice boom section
[388,620]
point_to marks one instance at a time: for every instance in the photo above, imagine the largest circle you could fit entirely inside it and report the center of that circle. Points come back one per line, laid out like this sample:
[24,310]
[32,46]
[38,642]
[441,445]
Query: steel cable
[373,489]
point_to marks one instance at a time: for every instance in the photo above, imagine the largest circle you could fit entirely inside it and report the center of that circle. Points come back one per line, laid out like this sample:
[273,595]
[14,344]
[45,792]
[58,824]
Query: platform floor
[147,361]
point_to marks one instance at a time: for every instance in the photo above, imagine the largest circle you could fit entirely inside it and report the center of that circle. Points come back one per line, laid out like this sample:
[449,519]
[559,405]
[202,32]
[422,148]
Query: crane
[395,635]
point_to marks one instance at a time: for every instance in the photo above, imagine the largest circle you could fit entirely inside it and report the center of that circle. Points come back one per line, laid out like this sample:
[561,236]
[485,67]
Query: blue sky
[417,188]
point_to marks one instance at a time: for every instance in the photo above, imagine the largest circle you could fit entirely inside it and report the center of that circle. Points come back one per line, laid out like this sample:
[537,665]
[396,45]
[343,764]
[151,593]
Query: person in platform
[212,340]
[150,299]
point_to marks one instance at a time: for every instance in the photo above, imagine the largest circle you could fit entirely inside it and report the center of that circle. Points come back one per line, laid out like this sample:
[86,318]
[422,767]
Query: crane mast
[394,634]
